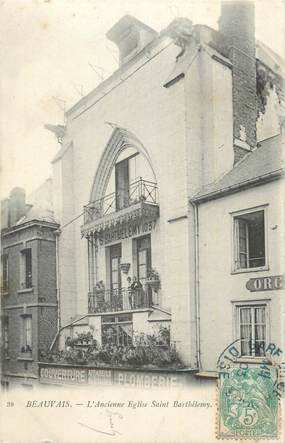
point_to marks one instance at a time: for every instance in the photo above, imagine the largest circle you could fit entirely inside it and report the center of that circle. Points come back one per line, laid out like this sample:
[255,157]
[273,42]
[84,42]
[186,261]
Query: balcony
[123,299]
[139,201]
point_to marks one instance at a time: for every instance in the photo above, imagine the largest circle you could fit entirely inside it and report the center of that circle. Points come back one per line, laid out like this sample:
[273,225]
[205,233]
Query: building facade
[241,277]
[28,292]
[185,108]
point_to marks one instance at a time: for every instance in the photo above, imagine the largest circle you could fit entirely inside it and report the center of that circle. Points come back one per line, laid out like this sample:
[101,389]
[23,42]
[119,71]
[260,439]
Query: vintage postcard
[142,221]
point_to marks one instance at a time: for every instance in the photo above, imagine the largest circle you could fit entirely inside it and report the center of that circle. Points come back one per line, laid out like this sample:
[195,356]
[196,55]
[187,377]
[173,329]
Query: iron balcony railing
[121,299]
[138,191]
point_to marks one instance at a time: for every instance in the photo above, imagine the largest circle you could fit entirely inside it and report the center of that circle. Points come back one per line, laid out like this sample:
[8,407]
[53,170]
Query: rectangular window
[249,241]
[115,267]
[117,330]
[143,258]
[6,336]
[27,334]
[26,269]
[5,272]
[252,330]
[122,184]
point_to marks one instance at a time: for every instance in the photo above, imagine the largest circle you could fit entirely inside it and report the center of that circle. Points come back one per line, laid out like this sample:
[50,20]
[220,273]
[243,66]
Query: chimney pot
[131,36]
[17,205]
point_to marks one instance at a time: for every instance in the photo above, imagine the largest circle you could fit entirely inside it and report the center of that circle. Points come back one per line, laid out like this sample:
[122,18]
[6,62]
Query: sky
[53,51]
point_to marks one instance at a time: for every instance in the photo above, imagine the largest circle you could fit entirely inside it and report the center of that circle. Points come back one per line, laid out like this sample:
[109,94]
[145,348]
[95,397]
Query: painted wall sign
[146,380]
[271,283]
[100,377]
[63,375]
[56,374]
[128,230]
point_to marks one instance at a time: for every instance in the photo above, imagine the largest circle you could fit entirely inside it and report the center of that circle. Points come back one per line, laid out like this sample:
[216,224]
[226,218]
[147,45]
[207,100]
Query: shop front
[54,374]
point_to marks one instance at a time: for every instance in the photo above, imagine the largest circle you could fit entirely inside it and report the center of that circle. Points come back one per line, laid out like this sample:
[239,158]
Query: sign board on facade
[271,283]
[56,374]
[127,230]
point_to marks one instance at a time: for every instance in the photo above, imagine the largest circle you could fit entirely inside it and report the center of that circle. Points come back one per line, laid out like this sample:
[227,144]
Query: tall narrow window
[115,297]
[122,184]
[250,240]
[6,336]
[27,334]
[5,272]
[115,269]
[144,258]
[26,268]
[252,330]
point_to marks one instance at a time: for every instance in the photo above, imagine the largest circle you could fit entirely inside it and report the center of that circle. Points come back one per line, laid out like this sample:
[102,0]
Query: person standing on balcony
[100,294]
[130,293]
[136,289]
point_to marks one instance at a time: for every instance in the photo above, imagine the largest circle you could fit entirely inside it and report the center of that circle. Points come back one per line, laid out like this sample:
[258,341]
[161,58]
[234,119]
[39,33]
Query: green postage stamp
[248,404]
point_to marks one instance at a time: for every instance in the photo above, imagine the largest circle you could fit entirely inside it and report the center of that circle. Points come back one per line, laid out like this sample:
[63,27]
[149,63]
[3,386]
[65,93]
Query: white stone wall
[186,129]
[219,287]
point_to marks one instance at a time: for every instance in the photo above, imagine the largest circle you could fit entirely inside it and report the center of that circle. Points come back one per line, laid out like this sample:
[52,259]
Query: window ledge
[254,360]
[25,291]
[246,270]
[5,293]
[25,358]
[128,311]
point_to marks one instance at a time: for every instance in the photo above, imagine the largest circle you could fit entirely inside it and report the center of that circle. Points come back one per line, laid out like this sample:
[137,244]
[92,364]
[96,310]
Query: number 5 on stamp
[247,404]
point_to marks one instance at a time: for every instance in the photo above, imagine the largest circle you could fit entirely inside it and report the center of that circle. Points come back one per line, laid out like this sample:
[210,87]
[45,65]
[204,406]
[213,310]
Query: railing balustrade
[140,190]
[120,299]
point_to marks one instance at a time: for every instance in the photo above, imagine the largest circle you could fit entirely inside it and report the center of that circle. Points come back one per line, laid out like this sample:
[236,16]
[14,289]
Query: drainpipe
[59,328]
[57,234]
[197,282]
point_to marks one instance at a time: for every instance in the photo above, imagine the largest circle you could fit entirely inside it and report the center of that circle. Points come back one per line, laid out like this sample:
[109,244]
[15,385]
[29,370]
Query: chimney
[237,25]
[131,36]
[17,205]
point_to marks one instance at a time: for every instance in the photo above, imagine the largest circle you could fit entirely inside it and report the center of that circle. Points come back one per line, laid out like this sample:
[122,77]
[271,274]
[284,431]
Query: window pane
[142,257]
[259,348]
[243,261]
[260,332]
[242,236]
[108,319]
[28,265]
[125,334]
[27,334]
[256,239]
[245,347]
[142,272]
[125,317]
[253,330]
[251,240]
[260,315]
[122,184]
[245,315]
[108,334]
[6,335]
[245,332]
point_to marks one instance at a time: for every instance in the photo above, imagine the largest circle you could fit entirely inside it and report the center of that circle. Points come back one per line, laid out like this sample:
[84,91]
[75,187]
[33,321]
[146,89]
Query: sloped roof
[263,164]
[270,58]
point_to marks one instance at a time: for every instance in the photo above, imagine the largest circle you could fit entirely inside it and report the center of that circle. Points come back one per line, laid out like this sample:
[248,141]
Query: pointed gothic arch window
[125,176]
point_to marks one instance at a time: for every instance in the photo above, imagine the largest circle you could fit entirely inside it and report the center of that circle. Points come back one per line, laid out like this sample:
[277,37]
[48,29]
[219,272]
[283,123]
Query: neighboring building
[241,278]
[185,108]
[28,291]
